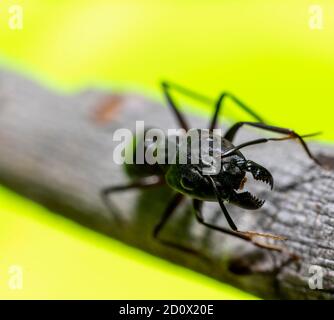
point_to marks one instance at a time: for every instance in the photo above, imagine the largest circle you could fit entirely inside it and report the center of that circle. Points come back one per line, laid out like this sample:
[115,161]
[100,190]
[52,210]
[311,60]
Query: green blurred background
[263,51]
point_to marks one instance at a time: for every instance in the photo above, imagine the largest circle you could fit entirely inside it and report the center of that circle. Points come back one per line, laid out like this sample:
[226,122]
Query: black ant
[187,179]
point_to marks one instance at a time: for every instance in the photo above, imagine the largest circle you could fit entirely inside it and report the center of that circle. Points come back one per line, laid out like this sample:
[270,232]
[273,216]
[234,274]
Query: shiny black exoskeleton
[188,179]
[225,185]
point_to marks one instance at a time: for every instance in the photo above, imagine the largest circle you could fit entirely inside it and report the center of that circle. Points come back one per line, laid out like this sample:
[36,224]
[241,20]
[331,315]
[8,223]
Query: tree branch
[57,150]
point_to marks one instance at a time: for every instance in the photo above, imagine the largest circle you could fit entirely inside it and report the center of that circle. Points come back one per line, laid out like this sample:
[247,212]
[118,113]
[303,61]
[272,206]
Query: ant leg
[197,205]
[173,204]
[232,224]
[248,236]
[219,105]
[230,134]
[262,140]
[167,86]
[144,183]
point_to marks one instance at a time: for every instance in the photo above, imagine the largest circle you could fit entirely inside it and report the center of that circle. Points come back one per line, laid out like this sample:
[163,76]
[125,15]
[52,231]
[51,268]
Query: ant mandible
[187,180]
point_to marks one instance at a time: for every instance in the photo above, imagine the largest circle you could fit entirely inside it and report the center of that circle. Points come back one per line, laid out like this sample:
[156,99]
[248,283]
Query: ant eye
[186,184]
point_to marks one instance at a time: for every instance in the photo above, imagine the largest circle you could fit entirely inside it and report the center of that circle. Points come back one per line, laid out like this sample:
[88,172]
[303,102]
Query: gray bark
[57,150]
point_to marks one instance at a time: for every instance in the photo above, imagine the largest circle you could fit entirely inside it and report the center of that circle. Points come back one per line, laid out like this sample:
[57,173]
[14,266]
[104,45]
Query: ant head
[214,175]
[233,178]
[190,180]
